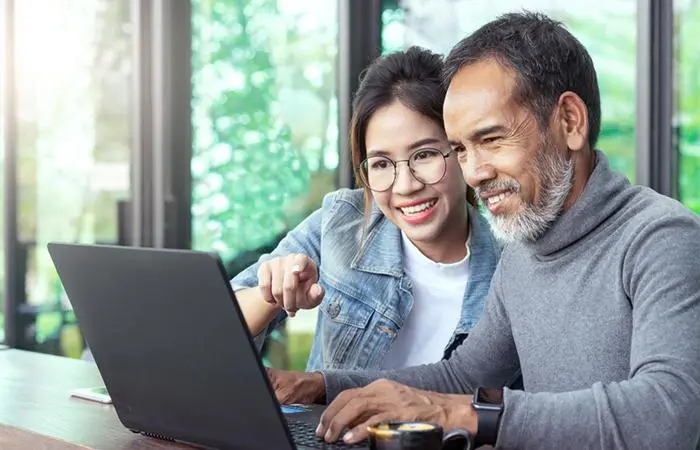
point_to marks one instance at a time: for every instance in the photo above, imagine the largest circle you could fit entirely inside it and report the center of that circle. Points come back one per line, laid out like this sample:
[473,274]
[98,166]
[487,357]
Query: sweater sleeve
[658,406]
[486,358]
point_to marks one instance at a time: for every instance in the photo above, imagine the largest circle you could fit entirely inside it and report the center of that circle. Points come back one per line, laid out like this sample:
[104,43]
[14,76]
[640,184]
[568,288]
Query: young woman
[399,269]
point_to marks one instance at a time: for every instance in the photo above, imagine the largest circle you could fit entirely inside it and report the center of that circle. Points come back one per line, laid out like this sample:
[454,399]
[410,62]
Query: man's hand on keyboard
[384,401]
[297,387]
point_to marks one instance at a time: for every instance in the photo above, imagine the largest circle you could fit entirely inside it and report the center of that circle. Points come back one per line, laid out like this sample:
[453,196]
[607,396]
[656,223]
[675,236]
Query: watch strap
[489,418]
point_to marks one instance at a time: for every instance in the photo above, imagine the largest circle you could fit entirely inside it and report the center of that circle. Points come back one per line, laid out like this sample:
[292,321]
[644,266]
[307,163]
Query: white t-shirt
[438,291]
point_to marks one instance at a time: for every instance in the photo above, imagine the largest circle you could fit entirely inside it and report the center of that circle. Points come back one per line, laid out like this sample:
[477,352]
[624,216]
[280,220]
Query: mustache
[497,185]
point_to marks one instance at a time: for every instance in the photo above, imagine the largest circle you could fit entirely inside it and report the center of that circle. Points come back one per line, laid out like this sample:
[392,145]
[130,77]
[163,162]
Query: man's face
[521,175]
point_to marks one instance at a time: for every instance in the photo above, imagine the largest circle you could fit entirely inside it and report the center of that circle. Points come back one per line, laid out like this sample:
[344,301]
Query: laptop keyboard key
[305,434]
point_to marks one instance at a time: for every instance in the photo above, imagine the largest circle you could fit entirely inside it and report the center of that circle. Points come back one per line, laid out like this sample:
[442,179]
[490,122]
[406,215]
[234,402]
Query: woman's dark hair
[412,77]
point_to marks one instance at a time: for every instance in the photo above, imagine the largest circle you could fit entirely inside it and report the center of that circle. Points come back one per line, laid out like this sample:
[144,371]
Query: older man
[597,297]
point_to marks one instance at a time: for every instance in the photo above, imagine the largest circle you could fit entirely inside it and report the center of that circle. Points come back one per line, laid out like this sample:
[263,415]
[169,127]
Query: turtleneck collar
[604,194]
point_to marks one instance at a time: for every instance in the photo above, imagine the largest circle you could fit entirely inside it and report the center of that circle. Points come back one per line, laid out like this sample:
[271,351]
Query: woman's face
[423,211]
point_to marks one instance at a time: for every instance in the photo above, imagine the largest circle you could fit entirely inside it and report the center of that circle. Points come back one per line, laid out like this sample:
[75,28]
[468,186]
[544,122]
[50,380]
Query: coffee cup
[417,436]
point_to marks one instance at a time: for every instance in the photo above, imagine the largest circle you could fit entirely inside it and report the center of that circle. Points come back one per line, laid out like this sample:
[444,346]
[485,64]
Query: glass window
[606,27]
[687,121]
[265,130]
[2,172]
[73,75]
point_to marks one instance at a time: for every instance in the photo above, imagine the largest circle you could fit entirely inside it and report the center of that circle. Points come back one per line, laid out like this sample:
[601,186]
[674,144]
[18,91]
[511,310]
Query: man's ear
[573,119]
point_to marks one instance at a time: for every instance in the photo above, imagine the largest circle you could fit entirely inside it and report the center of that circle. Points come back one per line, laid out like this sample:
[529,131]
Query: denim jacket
[367,294]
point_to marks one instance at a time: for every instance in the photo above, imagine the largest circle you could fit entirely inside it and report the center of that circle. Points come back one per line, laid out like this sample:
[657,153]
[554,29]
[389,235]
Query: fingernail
[296,269]
[327,437]
[348,436]
[316,289]
[318,430]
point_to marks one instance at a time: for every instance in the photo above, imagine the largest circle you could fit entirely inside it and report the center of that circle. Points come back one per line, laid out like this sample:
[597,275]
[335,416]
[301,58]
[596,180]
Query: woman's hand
[290,282]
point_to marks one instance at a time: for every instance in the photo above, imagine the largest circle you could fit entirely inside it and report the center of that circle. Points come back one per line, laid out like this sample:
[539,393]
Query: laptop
[173,349]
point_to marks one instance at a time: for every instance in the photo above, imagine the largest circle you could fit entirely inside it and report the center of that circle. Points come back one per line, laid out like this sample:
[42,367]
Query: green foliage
[244,167]
[392,16]
[614,54]
[299,348]
[265,127]
[688,120]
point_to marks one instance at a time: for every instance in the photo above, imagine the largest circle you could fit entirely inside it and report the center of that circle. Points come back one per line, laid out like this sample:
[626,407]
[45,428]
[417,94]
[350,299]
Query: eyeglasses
[427,165]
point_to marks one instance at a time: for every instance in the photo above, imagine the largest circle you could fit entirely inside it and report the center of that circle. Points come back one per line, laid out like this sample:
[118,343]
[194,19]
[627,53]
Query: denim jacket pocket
[343,331]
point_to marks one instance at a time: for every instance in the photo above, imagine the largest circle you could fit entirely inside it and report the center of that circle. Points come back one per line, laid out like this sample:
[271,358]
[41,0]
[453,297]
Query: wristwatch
[488,404]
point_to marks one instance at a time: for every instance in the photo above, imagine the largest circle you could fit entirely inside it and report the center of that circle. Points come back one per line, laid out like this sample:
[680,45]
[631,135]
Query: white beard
[555,173]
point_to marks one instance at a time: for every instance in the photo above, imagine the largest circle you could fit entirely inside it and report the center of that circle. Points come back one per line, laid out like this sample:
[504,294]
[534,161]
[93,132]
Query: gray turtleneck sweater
[602,317]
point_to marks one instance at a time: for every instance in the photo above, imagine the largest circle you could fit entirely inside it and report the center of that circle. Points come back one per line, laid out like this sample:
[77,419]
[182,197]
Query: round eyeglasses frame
[364,164]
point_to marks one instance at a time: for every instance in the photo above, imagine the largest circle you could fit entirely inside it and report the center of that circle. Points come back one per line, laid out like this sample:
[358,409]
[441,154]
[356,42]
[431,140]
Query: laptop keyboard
[305,434]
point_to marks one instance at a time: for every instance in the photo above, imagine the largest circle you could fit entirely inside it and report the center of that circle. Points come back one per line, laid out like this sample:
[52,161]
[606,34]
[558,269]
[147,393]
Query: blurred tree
[614,54]
[687,23]
[244,166]
[250,178]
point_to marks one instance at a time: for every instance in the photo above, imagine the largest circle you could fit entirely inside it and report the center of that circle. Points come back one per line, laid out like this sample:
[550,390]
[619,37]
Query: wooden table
[37,412]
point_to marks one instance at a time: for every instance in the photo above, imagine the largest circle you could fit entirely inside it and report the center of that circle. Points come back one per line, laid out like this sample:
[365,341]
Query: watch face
[489,396]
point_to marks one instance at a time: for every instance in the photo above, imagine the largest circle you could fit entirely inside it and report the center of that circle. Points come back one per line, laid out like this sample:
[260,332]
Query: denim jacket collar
[378,253]
[485,251]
